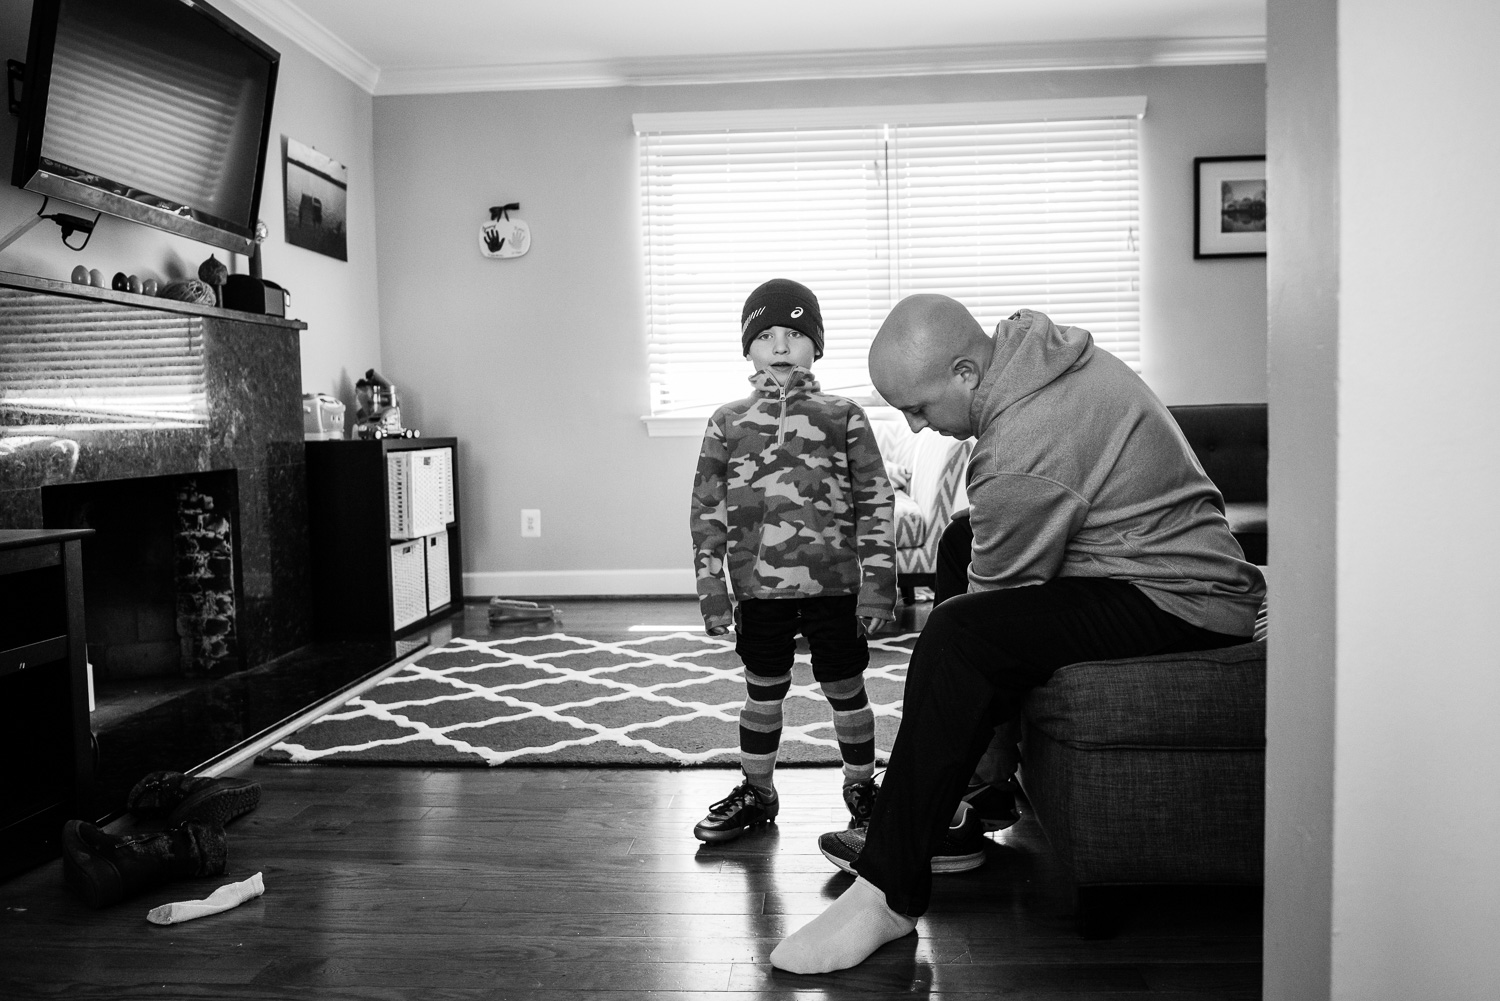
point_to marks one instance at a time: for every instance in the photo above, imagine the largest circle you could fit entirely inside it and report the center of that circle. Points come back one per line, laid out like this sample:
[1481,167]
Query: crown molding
[1130,53]
[297,25]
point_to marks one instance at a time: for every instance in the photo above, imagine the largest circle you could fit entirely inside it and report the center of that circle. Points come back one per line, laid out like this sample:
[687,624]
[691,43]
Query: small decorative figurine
[80,275]
[149,287]
[119,282]
[96,278]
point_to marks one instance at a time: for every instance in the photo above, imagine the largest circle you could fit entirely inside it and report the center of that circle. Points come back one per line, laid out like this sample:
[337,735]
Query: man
[1095,536]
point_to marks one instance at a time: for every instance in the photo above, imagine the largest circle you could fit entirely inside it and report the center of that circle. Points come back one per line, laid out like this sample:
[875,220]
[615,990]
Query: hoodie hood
[801,381]
[1030,352]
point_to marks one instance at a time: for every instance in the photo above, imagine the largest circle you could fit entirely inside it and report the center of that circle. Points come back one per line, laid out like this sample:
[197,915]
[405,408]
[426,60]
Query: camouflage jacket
[791,496]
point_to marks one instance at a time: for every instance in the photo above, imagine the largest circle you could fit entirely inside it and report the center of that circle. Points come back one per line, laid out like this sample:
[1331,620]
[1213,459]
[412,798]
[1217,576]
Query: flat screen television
[157,111]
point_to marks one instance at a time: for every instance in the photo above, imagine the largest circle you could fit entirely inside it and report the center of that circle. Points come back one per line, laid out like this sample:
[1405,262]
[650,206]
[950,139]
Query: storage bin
[408,583]
[439,593]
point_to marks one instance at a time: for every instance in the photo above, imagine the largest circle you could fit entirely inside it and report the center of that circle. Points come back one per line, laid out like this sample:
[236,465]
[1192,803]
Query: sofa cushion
[911,527]
[1205,699]
[1231,443]
[1245,518]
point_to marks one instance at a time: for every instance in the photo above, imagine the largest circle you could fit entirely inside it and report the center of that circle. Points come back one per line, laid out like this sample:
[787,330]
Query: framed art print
[1229,206]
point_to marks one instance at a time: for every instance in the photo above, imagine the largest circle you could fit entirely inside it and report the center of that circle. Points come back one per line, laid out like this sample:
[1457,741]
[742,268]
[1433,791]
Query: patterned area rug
[555,699]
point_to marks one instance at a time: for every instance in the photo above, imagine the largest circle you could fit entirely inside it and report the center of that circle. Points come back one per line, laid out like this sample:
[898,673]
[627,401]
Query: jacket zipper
[760,545]
[781,424]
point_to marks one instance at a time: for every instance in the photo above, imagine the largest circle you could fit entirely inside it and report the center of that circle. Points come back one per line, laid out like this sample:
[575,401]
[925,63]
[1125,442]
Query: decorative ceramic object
[80,275]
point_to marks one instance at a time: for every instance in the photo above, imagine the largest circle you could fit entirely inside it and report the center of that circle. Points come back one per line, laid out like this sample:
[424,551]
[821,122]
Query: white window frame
[690,423]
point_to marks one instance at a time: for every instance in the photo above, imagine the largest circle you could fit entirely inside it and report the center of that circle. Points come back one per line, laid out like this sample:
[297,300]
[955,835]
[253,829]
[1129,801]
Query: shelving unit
[370,581]
[45,743]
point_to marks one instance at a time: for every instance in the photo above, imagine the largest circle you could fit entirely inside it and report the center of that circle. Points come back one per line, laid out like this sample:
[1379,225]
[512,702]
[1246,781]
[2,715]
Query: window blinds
[1000,214]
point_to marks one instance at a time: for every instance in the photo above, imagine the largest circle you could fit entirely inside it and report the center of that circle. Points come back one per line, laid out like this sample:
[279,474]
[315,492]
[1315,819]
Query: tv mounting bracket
[15,72]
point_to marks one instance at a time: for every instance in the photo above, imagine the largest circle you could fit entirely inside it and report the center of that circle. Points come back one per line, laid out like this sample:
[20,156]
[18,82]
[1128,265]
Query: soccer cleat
[740,811]
[961,848]
[860,799]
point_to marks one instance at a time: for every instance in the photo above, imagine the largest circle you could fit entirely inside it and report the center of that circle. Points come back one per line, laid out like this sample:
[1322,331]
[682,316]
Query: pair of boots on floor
[105,868]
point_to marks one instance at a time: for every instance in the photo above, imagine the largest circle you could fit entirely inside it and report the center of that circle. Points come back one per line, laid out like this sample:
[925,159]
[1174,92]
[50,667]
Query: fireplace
[161,580]
[111,405]
[175,432]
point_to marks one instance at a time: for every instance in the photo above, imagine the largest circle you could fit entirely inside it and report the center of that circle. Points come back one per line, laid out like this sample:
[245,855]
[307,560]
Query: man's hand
[868,625]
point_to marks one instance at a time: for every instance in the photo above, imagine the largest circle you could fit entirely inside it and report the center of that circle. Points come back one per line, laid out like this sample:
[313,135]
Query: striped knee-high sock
[854,725]
[760,728]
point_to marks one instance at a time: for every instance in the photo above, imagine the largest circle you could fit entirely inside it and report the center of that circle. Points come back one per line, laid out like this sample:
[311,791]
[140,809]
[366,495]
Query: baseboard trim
[562,583]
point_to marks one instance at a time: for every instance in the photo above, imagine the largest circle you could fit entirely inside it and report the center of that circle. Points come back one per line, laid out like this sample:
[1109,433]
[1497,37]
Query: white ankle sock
[844,935]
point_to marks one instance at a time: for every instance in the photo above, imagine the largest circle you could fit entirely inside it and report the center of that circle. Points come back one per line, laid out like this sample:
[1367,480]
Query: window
[1021,204]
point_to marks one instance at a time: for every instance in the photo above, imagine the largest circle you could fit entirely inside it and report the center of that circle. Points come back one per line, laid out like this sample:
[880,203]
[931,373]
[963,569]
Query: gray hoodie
[1078,470]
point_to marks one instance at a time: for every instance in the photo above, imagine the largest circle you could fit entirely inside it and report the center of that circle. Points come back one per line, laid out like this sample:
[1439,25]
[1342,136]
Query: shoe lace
[861,800]
[743,795]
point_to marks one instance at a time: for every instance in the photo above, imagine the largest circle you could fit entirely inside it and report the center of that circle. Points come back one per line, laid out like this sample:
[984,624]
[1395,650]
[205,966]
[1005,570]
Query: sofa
[1231,443]
[927,471]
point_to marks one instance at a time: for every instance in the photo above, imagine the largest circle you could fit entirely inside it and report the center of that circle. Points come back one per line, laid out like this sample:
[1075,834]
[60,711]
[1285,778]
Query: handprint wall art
[503,237]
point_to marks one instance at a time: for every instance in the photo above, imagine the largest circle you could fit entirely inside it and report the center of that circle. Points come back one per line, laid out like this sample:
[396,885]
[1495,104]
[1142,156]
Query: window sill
[676,425]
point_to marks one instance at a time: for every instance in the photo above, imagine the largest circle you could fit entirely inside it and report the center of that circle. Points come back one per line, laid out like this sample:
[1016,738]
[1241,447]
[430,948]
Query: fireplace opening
[162,581]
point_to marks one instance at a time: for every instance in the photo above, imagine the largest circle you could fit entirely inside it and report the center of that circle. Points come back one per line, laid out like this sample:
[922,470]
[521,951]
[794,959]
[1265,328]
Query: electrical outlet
[531,523]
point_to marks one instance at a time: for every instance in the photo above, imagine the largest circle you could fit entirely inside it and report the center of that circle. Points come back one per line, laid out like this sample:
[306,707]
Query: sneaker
[860,799]
[735,814]
[960,850]
[996,805]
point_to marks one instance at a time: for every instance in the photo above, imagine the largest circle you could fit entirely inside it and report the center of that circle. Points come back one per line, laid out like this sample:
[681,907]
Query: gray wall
[314,105]
[539,364]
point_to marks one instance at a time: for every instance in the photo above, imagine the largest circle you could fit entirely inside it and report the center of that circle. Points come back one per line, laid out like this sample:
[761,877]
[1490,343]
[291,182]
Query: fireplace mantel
[10,279]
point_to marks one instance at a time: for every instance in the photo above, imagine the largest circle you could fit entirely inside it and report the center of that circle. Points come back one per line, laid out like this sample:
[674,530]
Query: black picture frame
[1229,206]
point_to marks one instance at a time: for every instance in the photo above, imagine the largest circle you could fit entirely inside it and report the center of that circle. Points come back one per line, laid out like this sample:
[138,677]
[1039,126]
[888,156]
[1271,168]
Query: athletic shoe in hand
[996,805]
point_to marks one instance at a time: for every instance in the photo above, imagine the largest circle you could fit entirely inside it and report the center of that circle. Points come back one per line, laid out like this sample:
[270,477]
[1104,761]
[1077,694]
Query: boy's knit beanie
[782,302]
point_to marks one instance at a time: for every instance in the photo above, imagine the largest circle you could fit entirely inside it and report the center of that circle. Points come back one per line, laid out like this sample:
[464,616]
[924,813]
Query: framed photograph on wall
[1229,206]
[317,195]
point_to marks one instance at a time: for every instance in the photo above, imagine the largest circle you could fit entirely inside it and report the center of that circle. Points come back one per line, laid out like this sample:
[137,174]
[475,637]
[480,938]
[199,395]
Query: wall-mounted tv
[157,111]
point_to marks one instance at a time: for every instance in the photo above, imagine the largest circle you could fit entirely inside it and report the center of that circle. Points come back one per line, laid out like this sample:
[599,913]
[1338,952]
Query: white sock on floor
[844,935]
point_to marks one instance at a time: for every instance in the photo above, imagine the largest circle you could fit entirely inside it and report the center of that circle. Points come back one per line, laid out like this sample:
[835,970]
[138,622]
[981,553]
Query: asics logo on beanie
[796,312]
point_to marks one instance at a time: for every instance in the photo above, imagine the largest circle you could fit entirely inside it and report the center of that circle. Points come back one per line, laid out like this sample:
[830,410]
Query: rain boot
[105,868]
[180,798]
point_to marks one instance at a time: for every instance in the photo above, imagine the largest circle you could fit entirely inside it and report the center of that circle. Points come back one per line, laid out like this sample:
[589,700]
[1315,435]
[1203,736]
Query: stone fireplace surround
[98,386]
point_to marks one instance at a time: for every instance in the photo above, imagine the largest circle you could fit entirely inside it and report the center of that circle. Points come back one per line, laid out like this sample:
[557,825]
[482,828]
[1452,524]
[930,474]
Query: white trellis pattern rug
[669,699]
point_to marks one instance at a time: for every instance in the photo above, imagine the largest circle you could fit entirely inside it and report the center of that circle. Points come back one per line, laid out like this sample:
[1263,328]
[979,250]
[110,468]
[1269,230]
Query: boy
[792,504]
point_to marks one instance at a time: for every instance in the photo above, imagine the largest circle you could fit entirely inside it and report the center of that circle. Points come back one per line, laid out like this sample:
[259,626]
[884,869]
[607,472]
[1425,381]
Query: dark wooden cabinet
[363,577]
[45,742]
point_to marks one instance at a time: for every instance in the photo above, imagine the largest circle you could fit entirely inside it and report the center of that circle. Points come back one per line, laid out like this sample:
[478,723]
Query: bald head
[927,360]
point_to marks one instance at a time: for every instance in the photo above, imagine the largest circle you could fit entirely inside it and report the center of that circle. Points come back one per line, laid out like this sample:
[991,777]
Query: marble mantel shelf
[9,279]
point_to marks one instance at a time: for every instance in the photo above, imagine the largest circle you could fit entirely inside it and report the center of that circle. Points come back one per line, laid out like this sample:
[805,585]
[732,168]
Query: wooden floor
[545,883]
